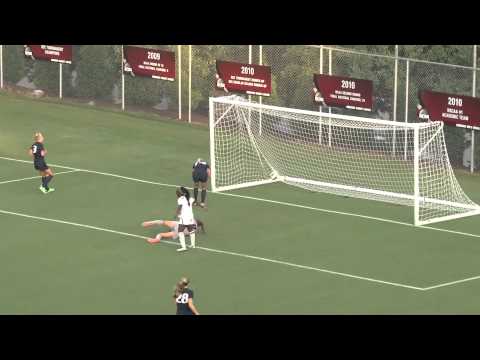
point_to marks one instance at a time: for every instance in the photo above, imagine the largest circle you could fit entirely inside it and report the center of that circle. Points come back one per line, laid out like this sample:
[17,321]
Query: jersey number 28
[182,299]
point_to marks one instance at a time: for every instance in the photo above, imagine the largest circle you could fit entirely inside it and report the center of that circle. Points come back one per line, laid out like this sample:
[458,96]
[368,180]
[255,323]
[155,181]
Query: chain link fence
[203,72]
[95,78]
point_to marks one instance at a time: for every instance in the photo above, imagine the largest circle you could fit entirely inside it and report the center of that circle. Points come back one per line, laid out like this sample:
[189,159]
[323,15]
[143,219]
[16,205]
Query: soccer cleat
[43,190]
[182,249]
[50,190]
[202,205]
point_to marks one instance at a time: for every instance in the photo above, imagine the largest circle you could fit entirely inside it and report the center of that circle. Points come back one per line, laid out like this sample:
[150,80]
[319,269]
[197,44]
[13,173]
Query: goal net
[400,163]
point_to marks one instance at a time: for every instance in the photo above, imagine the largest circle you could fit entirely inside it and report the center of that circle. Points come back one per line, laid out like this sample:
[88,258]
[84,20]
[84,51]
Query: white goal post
[401,163]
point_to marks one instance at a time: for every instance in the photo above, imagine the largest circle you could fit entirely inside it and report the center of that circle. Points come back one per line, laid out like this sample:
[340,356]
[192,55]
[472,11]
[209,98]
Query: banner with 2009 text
[153,63]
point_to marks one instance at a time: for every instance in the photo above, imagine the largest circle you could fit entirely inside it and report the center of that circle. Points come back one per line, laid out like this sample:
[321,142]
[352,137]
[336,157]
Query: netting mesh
[336,154]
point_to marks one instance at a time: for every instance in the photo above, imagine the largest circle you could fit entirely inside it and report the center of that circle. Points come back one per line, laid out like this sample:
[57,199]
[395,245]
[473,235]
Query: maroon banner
[455,110]
[244,78]
[153,63]
[339,91]
[55,53]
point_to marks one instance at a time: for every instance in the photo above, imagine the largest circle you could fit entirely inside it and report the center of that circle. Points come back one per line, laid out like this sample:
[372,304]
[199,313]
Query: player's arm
[30,152]
[179,210]
[43,152]
[192,307]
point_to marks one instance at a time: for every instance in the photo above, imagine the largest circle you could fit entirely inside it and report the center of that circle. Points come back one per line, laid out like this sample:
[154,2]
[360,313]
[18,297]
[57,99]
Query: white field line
[36,177]
[216,251]
[452,283]
[280,203]
[264,200]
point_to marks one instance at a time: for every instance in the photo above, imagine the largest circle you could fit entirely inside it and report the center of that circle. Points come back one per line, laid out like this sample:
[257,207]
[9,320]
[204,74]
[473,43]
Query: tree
[98,69]
[13,63]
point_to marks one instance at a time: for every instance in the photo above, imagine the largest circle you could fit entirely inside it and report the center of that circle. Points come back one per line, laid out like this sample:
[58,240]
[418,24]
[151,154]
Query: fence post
[474,88]
[1,66]
[260,99]
[179,47]
[320,106]
[395,85]
[249,96]
[189,83]
[123,83]
[60,95]
[407,82]
[329,108]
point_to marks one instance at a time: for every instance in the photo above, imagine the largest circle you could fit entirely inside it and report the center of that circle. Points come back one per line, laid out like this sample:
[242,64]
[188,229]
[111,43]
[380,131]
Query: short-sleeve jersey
[37,150]
[182,302]
[200,168]
[186,213]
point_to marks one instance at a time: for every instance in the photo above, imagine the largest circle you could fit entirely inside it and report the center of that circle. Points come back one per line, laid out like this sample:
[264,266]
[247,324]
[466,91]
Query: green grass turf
[57,268]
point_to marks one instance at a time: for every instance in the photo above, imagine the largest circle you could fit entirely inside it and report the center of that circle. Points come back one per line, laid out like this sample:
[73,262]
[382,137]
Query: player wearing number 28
[183,297]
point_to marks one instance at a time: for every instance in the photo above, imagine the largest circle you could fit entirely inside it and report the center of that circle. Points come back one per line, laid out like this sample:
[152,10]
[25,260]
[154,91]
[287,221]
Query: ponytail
[186,193]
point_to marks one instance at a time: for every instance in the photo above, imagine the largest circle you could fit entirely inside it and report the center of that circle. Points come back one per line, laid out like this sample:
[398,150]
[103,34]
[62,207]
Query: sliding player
[200,175]
[38,151]
[173,225]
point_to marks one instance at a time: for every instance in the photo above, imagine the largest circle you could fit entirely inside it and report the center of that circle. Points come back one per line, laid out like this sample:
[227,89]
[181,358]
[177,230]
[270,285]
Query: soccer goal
[401,163]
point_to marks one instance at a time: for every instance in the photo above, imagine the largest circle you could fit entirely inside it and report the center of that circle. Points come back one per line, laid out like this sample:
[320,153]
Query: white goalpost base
[254,144]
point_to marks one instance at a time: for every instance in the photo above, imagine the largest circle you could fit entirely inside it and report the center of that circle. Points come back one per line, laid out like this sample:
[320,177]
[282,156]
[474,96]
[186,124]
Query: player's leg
[160,236]
[181,237]
[147,224]
[43,175]
[191,230]
[203,186]
[49,177]
[195,191]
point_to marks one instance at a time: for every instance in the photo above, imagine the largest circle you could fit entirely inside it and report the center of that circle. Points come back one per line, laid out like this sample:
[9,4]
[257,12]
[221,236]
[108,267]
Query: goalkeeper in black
[200,175]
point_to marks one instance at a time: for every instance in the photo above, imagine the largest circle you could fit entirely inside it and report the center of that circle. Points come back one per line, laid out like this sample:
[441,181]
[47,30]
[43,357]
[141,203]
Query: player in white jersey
[185,216]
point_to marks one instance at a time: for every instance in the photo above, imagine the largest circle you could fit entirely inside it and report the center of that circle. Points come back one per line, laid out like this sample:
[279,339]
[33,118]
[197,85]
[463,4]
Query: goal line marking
[269,201]
[264,200]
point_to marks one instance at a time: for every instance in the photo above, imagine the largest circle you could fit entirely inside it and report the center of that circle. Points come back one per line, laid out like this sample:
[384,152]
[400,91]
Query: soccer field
[270,249]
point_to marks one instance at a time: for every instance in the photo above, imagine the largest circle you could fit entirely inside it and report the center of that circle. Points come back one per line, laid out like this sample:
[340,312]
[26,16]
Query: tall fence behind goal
[397,71]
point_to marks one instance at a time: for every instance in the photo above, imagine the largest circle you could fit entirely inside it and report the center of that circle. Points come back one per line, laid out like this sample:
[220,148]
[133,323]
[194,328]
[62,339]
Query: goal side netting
[400,163]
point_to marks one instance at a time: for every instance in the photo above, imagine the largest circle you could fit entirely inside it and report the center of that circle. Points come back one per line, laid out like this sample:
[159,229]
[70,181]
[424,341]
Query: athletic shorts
[200,178]
[40,165]
[191,228]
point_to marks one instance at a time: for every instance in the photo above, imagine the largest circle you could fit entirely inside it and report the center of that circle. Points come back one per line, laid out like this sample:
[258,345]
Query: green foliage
[13,63]
[46,76]
[98,69]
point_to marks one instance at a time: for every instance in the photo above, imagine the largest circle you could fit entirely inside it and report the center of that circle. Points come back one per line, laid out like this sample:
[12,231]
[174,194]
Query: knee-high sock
[47,180]
[44,179]
[192,240]
[181,237]
[204,195]
[195,193]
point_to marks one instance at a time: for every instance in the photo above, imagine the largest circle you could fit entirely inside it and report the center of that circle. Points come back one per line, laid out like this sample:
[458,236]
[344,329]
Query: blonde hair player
[38,152]
[183,297]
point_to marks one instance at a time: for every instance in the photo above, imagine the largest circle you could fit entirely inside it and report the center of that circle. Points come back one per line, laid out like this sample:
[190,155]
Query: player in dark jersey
[183,297]
[38,151]
[200,175]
